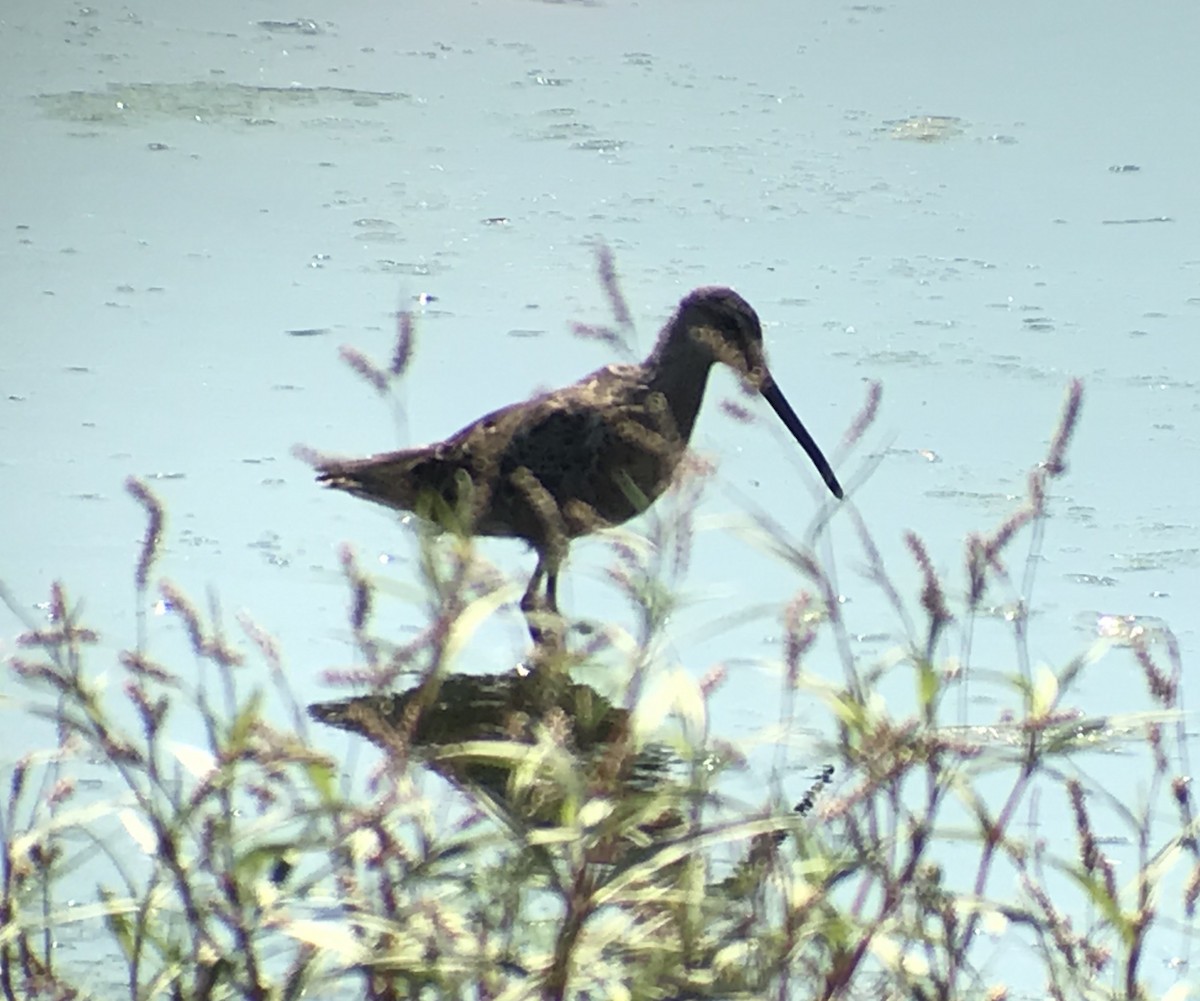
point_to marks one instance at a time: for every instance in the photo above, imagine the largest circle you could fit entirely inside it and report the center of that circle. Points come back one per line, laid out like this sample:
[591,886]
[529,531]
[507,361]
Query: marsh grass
[245,866]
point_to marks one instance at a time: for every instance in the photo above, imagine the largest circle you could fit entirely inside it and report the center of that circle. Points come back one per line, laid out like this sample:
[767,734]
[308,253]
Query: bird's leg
[529,598]
[550,541]
[542,619]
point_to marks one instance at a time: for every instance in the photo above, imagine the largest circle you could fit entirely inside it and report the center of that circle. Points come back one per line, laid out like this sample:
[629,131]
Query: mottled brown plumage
[584,457]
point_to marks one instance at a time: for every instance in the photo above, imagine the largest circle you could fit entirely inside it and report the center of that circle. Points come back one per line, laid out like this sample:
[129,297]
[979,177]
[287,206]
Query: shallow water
[970,205]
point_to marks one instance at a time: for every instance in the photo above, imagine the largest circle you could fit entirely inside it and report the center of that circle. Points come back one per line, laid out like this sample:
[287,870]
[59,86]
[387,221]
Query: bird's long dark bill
[786,414]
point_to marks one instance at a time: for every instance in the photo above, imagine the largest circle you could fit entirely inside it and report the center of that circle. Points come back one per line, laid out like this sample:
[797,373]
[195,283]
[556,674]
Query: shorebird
[582,458]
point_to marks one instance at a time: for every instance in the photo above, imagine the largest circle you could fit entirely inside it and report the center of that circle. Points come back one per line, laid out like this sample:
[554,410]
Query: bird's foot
[547,628]
[548,631]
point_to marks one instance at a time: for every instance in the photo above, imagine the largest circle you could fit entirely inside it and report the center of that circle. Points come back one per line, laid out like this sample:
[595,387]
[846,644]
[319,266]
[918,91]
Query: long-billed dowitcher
[588,456]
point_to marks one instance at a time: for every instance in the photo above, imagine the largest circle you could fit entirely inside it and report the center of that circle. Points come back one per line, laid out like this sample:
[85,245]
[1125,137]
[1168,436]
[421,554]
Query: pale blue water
[184,186]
